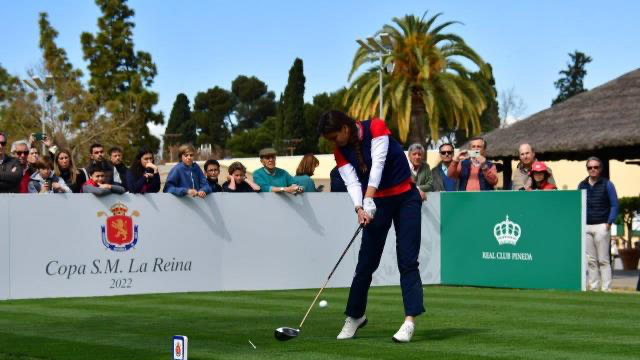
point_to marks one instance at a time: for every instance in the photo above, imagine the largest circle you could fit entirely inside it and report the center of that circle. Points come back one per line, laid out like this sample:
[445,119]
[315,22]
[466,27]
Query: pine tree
[571,82]
[211,111]
[293,123]
[120,77]
[253,102]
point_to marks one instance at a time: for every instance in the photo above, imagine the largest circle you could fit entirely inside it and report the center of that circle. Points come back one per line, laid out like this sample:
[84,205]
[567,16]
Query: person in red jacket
[539,176]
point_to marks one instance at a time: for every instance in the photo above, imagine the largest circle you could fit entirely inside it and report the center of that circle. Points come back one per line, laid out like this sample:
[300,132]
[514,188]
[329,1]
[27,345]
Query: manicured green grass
[460,323]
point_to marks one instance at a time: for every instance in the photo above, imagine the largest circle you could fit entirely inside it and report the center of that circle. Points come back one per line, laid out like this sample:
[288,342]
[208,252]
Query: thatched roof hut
[604,122]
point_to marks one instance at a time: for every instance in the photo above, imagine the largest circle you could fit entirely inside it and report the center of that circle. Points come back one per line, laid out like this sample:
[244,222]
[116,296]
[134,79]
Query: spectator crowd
[24,169]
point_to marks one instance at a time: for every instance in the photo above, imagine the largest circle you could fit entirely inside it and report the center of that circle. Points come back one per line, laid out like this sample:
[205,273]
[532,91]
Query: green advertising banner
[512,239]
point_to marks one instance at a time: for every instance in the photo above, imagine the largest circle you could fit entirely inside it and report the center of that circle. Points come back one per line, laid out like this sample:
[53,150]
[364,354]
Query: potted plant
[629,207]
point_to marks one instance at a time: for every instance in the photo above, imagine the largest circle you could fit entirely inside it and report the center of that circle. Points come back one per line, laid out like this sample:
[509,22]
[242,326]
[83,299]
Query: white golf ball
[323,303]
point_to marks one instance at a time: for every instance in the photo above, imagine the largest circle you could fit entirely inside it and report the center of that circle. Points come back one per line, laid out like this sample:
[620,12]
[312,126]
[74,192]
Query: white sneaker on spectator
[405,333]
[351,326]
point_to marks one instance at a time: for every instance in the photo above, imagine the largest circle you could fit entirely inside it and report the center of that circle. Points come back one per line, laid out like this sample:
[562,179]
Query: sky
[198,44]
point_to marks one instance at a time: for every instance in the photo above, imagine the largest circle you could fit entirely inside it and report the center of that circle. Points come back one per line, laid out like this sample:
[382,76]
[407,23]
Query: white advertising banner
[4,247]
[80,245]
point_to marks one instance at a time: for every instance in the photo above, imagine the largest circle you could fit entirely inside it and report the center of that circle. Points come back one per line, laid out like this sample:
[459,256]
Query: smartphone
[473,153]
[38,136]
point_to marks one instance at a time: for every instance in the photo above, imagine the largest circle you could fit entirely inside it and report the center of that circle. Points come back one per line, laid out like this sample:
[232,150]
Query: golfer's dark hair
[333,121]
[136,165]
[95,167]
[211,162]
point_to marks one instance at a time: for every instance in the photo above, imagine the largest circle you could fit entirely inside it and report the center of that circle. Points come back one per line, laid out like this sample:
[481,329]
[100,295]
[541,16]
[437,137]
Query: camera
[148,170]
[38,136]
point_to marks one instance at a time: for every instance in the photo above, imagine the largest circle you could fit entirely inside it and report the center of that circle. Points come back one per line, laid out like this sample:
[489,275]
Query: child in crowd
[539,177]
[44,181]
[212,170]
[96,184]
[237,180]
[186,178]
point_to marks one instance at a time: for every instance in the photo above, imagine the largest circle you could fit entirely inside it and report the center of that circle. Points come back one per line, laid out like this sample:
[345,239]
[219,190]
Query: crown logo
[119,209]
[507,232]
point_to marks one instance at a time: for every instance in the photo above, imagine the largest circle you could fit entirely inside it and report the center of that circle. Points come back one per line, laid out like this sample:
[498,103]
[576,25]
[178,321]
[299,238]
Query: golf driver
[287,333]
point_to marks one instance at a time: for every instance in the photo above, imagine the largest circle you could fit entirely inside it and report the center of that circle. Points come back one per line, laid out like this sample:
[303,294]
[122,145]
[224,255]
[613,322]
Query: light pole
[37,84]
[379,49]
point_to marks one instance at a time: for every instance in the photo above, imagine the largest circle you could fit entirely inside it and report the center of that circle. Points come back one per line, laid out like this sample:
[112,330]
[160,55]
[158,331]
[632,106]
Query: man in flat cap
[273,179]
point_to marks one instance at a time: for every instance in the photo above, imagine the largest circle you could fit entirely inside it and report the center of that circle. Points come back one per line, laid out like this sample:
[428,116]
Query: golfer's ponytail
[332,121]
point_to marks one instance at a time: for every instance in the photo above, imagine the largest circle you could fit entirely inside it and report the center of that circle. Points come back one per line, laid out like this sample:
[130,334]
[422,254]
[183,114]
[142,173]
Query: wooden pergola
[602,122]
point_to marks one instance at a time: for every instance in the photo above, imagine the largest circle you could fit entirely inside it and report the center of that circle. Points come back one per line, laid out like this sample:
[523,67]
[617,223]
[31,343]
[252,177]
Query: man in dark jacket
[602,210]
[10,169]
[473,169]
[119,169]
[441,181]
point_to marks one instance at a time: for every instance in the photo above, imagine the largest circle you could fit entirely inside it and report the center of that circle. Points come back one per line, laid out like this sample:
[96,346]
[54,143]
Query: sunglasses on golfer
[593,167]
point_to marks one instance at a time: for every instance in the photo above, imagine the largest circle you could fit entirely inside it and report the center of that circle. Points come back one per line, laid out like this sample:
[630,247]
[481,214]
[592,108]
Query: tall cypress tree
[181,128]
[293,124]
[120,77]
[572,81]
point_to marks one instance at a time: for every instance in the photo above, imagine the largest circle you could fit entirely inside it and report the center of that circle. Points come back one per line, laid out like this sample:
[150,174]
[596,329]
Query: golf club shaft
[331,274]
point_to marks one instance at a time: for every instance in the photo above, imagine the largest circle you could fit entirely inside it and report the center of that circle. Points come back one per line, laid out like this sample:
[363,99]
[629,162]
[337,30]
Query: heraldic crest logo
[119,233]
[507,232]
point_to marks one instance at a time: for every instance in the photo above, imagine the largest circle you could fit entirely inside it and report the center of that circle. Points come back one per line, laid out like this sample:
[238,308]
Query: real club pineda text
[490,255]
[114,266]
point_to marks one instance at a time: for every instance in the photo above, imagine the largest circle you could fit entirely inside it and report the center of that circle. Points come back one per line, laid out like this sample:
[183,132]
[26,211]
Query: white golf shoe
[405,333]
[351,326]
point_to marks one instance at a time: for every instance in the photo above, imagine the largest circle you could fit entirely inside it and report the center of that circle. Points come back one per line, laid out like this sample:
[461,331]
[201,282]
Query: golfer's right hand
[363,217]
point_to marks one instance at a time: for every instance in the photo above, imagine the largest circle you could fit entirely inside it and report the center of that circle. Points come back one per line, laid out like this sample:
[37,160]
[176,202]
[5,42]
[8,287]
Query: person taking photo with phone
[472,169]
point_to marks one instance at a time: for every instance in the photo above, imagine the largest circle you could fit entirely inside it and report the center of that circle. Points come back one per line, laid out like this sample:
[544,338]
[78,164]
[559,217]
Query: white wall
[232,241]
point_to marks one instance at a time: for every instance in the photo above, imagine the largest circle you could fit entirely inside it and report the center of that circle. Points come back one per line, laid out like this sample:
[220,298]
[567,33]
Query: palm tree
[429,84]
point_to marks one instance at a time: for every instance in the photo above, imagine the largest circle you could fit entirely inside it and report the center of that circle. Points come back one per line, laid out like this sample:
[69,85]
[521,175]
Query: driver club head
[286,333]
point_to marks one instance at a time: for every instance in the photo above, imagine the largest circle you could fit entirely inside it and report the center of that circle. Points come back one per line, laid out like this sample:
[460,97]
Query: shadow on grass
[447,333]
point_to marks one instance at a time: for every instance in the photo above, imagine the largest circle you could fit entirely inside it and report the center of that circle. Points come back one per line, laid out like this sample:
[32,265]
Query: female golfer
[373,163]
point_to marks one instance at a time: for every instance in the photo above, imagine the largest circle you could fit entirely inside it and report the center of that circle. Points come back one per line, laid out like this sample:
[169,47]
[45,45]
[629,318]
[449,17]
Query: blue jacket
[466,172]
[182,178]
[602,201]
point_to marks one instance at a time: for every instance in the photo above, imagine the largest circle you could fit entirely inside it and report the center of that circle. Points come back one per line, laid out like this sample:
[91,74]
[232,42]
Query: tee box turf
[180,347]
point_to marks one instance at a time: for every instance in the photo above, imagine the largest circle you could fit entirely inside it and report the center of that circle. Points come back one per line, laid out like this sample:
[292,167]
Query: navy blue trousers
[405,212]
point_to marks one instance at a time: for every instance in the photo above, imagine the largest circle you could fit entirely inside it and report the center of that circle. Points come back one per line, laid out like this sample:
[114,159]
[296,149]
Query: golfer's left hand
[369,207]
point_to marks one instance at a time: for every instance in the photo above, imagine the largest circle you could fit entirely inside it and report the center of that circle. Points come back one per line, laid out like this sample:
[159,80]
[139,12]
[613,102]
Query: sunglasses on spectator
[3,143]
[593,167]
[446,152]
[22,153]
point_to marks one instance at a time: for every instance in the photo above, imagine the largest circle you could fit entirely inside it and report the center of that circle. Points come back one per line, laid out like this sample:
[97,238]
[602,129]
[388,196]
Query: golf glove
[369,206]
